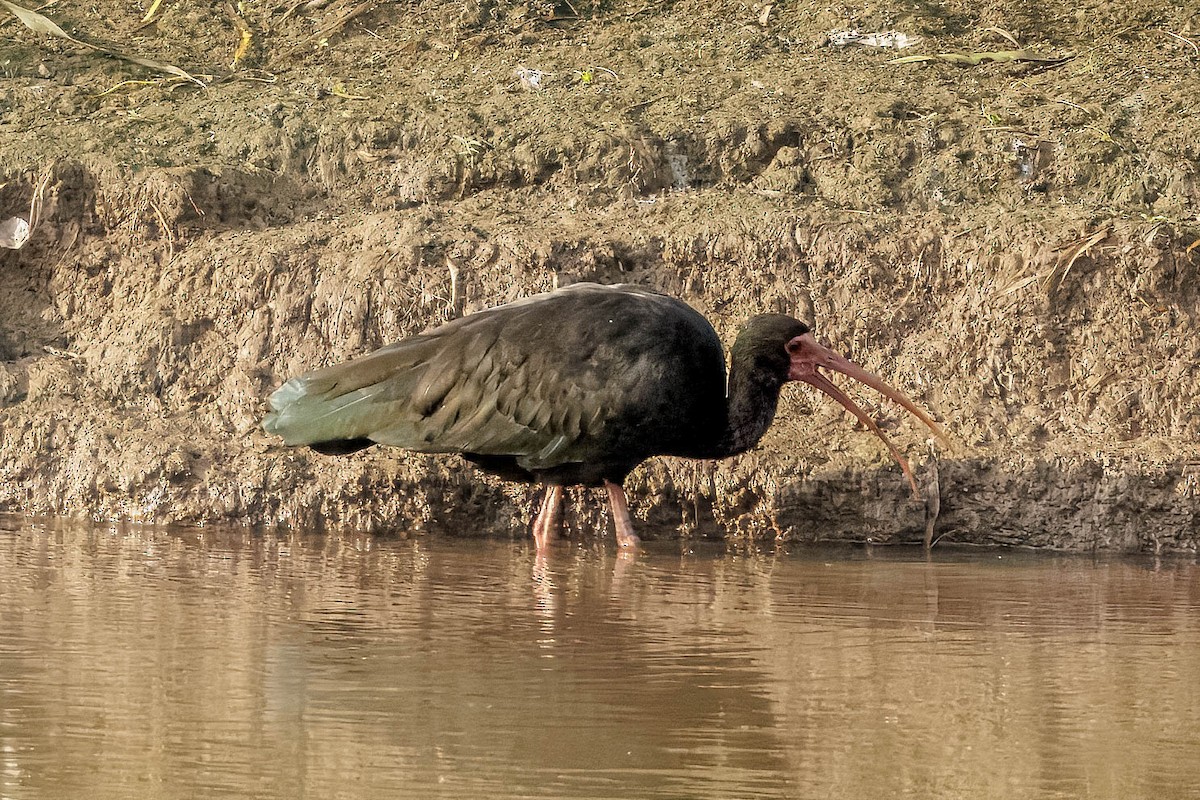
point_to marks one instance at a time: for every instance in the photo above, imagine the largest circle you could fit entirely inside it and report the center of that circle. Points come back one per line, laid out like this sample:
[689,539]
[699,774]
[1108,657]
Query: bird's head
[787,348]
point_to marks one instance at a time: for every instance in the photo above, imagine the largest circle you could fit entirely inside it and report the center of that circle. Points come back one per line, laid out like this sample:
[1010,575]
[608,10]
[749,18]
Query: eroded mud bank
[1032,281]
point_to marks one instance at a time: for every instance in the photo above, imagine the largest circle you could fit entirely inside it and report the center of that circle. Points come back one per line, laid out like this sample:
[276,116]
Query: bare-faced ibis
[573,387]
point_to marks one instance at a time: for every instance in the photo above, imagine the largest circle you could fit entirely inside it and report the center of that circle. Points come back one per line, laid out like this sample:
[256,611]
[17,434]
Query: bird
[572,387]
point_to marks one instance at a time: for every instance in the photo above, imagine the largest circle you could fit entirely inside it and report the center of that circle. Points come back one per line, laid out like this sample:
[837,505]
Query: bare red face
[807,356]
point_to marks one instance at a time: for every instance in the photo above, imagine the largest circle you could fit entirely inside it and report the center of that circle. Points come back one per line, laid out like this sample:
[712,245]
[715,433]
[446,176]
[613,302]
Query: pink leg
[616,498]
[549,518]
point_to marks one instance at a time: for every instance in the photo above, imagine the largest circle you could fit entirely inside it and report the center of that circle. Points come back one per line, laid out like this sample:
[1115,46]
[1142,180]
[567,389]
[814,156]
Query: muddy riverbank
[1014,244]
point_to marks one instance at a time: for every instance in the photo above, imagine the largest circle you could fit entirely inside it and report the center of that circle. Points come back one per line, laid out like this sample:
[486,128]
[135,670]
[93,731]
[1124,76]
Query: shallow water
[162,664]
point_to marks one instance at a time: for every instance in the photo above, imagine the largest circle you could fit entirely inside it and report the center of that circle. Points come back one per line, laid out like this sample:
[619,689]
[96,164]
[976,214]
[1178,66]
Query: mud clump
[1013,244]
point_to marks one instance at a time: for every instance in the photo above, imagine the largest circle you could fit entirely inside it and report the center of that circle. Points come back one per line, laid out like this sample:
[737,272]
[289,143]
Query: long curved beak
[807,355]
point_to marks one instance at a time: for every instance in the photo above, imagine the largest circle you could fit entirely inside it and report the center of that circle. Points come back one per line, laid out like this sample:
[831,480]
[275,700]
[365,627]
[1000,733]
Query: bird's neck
[750,403]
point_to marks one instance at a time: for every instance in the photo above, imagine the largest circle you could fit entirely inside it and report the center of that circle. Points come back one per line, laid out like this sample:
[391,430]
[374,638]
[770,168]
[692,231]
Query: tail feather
[340,406]
[301,416]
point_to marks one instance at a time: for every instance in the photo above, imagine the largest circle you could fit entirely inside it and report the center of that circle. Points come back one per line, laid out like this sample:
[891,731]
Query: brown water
[161,664]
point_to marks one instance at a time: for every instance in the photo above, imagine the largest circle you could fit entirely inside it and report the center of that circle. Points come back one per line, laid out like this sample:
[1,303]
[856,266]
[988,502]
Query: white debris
[891,40]
[531,79]
[14,233]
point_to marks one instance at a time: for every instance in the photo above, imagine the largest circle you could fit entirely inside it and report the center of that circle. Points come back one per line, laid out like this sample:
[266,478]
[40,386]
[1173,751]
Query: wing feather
[432,393]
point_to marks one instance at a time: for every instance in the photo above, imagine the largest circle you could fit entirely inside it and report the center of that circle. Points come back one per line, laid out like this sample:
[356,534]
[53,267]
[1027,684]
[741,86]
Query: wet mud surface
[1013,244]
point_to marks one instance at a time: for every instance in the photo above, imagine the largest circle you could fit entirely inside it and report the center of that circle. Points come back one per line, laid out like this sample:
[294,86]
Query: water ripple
[161,664]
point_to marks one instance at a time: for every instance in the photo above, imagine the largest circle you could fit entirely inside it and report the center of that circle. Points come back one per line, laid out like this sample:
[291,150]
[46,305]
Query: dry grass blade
[131,84]
[38,23]
[44,25]
[975,59]
[342,18]
[1018,285]
[245,36]
[153,10]
[158,66]
[244,42]
[1071,254]
[339,90]
[250,76]
[1195,47]
[1067,102]
[1012,276]
[1006,35]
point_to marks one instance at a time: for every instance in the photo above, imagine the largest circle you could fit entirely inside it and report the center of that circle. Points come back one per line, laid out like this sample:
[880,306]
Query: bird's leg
[549,518]
[620,509]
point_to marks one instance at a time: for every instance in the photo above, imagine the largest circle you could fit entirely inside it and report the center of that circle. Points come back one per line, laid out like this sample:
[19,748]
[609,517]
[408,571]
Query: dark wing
[552,379]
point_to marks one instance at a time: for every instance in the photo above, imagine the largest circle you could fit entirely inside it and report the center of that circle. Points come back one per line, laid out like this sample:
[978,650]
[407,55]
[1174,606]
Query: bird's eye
[794,345]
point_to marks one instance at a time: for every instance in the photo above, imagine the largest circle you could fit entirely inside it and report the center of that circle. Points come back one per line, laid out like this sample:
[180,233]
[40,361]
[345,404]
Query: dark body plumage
[576,386]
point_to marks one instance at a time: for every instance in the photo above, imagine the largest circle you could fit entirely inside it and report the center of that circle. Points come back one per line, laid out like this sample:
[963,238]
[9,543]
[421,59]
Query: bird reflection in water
[543,591]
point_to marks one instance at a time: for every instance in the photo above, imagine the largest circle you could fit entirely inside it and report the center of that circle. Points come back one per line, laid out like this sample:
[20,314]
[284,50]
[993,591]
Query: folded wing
[480,384]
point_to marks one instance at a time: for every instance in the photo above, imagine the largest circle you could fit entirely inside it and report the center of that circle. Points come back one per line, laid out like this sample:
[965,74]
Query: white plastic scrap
[531,79]
[14,233]
[891,40]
